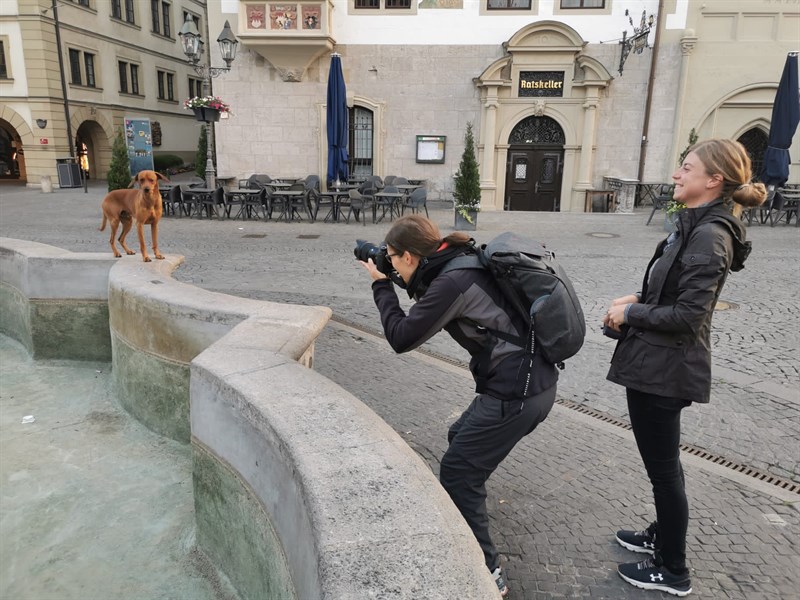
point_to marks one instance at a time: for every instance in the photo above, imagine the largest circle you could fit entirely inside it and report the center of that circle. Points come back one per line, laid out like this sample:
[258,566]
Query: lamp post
[638,41]
[193,48]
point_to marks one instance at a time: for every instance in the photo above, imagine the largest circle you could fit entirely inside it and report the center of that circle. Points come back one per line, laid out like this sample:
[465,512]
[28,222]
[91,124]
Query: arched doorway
[534,166]
[12,156]
[90,140]
[755,142]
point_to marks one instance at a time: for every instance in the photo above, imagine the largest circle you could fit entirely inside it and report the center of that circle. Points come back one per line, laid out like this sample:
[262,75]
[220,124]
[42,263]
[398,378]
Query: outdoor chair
[375,181]
[312,182]
[400,181]
[358,204]
[416,201]
[210,202]
[255,181]
[389,180]
[387,205]
[661,200]
[784,205]
[173,203]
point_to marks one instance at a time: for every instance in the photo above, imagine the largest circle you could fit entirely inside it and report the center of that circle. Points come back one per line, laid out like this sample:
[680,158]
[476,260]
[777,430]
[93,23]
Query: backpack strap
[477,261]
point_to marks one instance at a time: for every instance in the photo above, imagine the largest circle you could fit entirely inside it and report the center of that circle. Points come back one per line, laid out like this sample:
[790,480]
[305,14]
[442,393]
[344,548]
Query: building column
[587,143]
[489,131]
[681,137]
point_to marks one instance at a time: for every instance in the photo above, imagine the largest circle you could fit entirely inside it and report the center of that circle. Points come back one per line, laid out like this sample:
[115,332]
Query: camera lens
[365,250]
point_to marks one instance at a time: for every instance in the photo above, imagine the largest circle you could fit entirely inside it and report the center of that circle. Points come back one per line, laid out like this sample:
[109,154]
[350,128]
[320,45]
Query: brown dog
[142,205]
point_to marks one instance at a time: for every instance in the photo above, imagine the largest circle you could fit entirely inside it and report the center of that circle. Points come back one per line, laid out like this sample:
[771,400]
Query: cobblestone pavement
[557,499]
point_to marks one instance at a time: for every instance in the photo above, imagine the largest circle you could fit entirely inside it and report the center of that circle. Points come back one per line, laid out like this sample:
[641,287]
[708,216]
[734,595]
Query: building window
[195,18]
[75,67]
[84,3]
[195,87]
[88,64]
[368,4]
[116,9]
[360,141]
[165,21]
[130,17]
[583,3]
[398,3]
[3,62]
[161,21]
[508,5]
[123,77]
[166,85]
[135,79]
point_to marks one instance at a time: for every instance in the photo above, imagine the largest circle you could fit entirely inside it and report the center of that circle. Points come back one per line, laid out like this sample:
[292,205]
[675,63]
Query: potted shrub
[467,191]
[119,172]
[207,108]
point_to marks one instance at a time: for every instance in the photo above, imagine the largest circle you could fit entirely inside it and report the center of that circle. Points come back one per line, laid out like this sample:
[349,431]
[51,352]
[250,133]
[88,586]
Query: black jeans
[479,440]
[656,422]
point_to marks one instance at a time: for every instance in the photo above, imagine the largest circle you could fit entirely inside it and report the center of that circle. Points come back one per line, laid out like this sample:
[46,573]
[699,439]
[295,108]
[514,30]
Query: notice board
[430,148]
[139,139]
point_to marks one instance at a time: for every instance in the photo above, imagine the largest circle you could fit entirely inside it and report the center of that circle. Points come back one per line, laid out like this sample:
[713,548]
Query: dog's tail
[103,226]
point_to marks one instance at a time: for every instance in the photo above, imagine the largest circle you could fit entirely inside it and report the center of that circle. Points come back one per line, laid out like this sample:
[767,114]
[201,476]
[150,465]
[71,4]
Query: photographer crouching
[468,304]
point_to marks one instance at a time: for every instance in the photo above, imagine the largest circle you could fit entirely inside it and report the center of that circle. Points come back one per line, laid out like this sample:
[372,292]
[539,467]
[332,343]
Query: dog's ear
[160,176]
[133,181]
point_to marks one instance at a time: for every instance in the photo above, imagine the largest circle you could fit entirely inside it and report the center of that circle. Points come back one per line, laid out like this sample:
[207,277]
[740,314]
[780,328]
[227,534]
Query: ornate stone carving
[290,75]
[538,108]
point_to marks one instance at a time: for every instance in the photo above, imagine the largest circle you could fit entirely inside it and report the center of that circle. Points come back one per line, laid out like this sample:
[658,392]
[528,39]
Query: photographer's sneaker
[647,576]
[638,541]
[501,583]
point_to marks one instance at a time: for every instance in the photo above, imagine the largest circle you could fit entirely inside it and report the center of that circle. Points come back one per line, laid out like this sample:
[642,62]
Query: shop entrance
[535,165]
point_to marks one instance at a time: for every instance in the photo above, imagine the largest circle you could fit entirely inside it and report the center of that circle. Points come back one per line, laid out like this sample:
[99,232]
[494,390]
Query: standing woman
[664,356]
[468,304]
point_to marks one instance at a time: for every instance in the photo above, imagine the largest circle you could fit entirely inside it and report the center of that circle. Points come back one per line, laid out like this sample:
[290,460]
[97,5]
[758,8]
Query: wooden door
[533,179]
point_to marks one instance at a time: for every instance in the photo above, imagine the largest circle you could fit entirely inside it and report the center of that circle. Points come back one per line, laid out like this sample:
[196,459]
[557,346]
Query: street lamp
[638,41]
[193,49]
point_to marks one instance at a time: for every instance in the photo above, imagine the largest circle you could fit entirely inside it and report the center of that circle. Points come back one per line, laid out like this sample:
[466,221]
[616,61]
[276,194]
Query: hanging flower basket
[207,108]
[208,115]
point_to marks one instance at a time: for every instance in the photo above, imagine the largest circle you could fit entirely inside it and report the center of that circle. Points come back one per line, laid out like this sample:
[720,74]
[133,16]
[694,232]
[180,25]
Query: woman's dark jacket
[666,350]
[465,303]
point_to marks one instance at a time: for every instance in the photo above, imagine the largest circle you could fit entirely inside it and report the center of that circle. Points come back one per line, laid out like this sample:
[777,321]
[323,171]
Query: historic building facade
[119,58]
[539,79]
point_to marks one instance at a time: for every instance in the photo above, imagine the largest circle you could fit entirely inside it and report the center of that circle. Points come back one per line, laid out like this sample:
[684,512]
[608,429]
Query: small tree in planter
[200,157]
[119,172]
[467,192]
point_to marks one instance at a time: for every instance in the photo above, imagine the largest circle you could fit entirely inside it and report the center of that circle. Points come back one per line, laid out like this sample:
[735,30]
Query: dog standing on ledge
[142,205]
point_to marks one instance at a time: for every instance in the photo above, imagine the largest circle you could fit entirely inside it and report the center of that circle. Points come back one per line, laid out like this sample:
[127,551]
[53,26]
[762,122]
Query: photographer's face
[404,263]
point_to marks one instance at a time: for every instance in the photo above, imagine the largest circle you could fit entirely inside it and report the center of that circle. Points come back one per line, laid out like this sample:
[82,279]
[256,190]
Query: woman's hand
[373,270]
[615,317]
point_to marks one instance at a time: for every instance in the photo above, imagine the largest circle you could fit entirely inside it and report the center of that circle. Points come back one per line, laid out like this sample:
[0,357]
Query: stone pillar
[489,130]
[587,143]
[681,138]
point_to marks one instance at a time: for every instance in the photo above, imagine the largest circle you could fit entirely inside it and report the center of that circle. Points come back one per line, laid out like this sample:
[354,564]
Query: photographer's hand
[373,270]
[615,317]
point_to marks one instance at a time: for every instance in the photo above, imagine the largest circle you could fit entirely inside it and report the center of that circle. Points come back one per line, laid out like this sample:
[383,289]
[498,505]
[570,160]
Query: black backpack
[538,288]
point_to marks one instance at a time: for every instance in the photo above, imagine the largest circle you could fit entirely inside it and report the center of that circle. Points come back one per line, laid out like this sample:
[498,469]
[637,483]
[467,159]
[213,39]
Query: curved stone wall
[300,490]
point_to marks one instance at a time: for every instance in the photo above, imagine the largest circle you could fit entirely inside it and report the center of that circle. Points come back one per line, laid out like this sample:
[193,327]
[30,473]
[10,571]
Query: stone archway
[534,166]
[16,137]
[93,128]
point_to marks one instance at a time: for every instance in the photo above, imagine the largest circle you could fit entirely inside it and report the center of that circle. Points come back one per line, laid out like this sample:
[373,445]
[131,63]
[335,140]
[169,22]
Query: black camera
[364,251]
[613,333]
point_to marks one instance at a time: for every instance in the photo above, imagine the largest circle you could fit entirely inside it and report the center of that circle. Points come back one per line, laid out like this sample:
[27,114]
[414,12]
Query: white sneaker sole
[633,548]
[655,586]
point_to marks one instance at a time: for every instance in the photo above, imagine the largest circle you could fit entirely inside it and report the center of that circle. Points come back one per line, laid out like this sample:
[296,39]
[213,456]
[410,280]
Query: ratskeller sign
[541,83]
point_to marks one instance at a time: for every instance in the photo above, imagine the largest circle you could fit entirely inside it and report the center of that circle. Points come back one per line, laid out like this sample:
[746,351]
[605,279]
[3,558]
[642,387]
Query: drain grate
[255,235]
[307,236]
[780,482]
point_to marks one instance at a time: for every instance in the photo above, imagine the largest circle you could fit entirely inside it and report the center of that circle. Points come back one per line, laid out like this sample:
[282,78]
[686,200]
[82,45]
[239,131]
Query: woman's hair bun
[750,195]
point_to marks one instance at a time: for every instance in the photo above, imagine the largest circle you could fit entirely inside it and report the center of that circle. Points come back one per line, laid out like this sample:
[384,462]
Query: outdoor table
[648,191]
[197,196]
[393,204]
[279,185]
[335,194]
[288,208]
[241,196]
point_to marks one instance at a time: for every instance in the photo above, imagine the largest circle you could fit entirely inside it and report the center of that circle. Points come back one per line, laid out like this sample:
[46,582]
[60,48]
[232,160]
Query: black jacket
[666,349]
[465,303]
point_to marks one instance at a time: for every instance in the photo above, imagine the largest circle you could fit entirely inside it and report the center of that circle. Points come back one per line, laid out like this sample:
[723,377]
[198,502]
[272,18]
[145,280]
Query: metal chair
[359,203]
[416,201]
[661,200]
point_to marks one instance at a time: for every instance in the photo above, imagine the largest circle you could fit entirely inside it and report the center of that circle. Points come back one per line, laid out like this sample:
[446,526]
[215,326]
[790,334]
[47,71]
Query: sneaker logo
[656,577]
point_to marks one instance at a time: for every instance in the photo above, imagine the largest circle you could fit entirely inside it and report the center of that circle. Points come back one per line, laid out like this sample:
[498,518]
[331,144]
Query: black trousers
[656,422]
[479,440]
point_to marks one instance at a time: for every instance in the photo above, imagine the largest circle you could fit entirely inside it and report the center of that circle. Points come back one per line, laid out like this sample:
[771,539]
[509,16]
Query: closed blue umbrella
[337,122]
[785,117]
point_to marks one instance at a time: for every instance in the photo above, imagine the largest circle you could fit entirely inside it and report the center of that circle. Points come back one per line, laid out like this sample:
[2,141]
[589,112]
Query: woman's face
[404,263]
[693,185]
